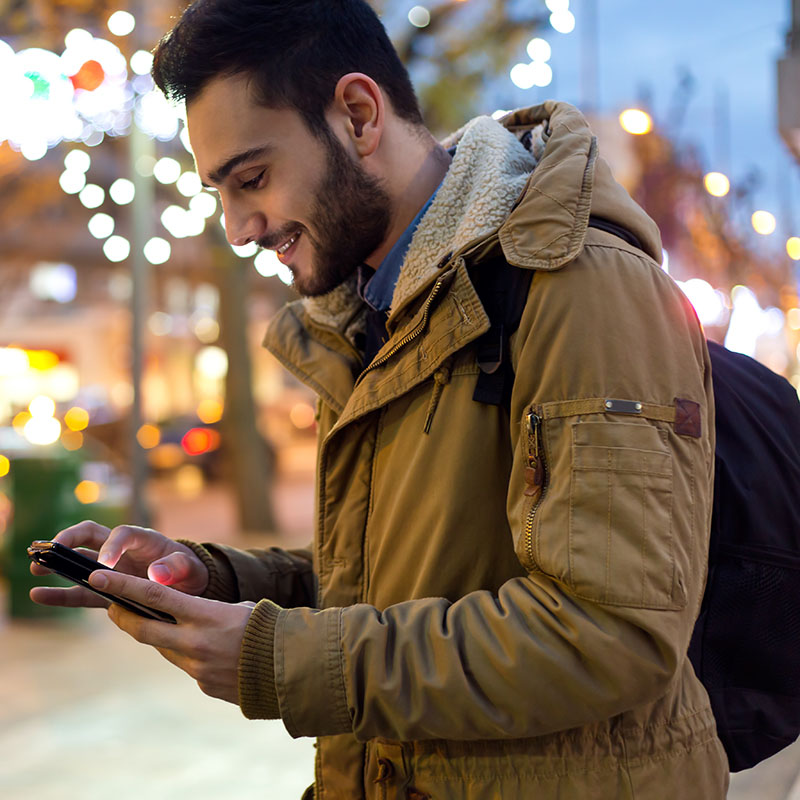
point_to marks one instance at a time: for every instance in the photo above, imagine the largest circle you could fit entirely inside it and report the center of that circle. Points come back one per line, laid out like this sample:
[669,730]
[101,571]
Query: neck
[413,188]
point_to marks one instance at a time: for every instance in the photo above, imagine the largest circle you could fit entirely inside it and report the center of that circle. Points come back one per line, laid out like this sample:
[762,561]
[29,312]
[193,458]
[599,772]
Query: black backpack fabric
[745,647]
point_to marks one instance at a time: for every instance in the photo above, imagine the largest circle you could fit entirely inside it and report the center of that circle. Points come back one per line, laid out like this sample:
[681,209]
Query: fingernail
[159,573]
[98,580]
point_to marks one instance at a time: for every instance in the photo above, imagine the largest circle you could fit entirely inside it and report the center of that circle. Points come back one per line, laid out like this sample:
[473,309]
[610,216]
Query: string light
[122,191]
[121,23]
[92,195]
[101,226]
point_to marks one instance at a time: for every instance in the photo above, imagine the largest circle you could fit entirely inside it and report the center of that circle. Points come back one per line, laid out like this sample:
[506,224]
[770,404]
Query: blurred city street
[87,712]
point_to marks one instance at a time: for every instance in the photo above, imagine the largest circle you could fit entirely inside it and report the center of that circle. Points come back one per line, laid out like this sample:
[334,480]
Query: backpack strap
[503,290]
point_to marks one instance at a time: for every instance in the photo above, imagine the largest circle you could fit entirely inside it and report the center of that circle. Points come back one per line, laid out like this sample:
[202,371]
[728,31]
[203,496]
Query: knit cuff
[221,578]
[258,695]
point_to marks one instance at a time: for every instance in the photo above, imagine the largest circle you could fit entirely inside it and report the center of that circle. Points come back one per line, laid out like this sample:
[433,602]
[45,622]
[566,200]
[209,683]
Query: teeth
[284,247]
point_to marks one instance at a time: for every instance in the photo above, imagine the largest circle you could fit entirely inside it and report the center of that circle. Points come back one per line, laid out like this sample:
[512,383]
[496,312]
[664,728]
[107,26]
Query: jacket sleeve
[285,577]
[612,535]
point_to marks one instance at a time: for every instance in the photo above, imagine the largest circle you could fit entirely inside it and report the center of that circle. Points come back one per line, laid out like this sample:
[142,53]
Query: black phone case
[76,567]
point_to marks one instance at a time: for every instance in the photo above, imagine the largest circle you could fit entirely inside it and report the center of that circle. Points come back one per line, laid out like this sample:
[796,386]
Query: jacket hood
[547,227]
[532,179]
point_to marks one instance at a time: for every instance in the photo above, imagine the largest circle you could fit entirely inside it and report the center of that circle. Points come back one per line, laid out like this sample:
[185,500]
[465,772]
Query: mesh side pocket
[751,626]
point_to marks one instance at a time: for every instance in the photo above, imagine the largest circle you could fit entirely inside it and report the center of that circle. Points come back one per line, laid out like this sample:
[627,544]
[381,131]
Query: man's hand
[206,641]
[136,551]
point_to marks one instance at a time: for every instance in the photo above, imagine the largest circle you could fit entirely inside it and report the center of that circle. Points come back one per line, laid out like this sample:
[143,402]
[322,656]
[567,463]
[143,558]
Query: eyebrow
[219,174]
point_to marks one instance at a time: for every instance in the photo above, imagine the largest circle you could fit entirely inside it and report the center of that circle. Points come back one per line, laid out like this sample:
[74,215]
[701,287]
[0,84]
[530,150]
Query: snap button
[385,770]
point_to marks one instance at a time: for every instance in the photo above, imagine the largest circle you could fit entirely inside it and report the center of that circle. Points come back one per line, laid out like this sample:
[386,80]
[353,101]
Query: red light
[200,440]
[89,76]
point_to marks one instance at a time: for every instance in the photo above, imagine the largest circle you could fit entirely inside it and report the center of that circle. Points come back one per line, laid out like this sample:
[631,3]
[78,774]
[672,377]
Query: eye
[253,183]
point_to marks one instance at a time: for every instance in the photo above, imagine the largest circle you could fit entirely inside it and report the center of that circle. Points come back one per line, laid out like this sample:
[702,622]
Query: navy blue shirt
[377,287]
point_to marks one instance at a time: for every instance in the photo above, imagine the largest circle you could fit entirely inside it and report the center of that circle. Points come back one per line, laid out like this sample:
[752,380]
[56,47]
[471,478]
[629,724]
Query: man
[500,593]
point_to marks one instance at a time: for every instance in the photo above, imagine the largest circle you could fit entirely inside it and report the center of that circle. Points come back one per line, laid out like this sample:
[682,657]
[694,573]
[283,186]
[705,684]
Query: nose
[243,224]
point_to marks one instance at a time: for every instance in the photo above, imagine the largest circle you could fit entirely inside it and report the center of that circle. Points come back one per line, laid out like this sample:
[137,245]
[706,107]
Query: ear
[358,107]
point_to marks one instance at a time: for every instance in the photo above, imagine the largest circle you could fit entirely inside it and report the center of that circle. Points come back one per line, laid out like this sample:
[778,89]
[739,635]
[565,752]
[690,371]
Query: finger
[172,569]
[163,636]
[147,592]
[119,541]
[84,534]
[73,597]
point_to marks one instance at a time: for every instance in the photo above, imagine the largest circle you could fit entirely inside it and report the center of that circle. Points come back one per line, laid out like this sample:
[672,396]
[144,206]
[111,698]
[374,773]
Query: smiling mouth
[282,249]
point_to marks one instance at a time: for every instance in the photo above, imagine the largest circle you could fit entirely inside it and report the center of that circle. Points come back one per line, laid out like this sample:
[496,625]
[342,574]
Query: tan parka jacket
[503,599]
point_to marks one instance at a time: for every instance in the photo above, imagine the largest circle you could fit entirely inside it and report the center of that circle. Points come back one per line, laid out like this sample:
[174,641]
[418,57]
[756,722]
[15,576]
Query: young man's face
[285,188]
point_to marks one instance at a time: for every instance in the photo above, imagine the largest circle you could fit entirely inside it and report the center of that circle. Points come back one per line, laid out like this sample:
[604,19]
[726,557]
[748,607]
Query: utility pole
[590,58]
[139,145]
[788,81]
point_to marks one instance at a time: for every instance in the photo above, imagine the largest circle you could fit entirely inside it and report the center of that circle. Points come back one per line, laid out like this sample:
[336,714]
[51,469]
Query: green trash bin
[41,487]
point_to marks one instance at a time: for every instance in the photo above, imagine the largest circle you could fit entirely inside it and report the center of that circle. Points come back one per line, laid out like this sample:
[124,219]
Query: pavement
[86,712]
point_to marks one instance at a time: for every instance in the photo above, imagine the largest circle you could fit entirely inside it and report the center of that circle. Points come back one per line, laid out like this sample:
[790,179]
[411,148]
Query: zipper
[440,379]
[536,475]
[411,335]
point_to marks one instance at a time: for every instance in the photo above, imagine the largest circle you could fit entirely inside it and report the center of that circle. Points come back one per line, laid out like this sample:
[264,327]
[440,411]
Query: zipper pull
[534,472]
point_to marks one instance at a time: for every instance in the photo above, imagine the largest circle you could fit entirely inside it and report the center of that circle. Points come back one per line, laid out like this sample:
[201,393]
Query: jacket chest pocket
[620,516]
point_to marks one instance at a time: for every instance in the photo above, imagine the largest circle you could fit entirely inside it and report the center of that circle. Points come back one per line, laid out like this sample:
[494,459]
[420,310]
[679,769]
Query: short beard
[350,216]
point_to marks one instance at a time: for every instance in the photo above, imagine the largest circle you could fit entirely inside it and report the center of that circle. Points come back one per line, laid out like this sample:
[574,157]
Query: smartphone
[77,567]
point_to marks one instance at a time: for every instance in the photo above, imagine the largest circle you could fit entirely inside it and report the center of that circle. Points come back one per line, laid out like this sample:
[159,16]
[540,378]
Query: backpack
[745,647]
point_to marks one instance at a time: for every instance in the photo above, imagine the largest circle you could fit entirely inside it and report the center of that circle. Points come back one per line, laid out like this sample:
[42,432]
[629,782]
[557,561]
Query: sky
[729,46]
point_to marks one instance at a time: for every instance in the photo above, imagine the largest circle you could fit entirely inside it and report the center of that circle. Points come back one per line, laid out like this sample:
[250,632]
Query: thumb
[172,569]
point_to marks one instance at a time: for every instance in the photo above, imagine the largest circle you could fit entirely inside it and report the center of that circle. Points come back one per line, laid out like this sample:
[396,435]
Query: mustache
[272,241]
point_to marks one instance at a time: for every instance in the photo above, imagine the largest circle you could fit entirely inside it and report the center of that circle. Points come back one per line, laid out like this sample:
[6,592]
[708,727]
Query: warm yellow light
[636,121]
[13,362]
[42,359]
[167,456]
[42,430]
[87,492]
[189,481]
[42,406]
[20,420]
[148,436]
[210,411]
[717,184]
[5,466]
[793,247]
[302,415]
[72,440]
[76,419]
[763,222]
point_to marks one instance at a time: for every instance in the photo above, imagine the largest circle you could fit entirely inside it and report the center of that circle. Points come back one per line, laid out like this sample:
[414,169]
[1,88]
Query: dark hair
[295,51]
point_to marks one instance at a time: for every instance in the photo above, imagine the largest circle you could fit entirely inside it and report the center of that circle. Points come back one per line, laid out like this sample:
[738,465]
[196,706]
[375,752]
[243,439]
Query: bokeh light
[635,121]
[763,222]
[717,184]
